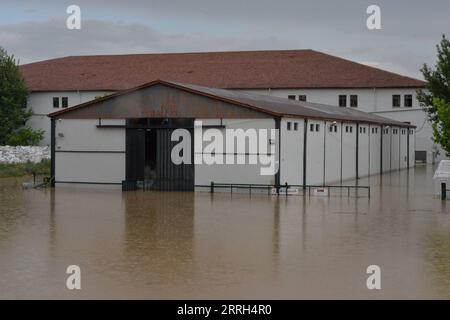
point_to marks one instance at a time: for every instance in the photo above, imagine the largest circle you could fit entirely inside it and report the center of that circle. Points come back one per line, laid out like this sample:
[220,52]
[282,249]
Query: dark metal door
[172,177]
[135,154]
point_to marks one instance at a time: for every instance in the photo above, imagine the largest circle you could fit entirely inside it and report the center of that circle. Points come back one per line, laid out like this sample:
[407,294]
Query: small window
[353,100]
[360,129]
[295,126]
[351,129]
[331,128]
[65,102]
[317,127]
[311,127]
[291,97]
[302,97]
[411,131]
[55,102]
[289,126]
[407,99]
[346,128]
[396,100]
[342,100]
[364,130]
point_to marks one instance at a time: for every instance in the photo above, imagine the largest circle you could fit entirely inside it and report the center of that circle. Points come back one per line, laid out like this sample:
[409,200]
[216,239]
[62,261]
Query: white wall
[292,142]
[85,153]
[363,150]
[377,101]
[315,152]
[403,148]
[411,147]
[234,173]
[42,104]
[348,151]
[387,149]
[375,148]
[395,148]
[333,153]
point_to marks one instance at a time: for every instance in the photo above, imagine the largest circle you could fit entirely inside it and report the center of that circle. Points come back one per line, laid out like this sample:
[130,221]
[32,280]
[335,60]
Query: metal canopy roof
[271,105]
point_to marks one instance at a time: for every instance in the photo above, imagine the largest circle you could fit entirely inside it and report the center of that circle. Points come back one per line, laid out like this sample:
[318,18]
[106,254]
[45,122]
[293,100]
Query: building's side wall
[315,152]
[234,173]
[292,141]
[412,141]
[363,150]
[375,148]
[395,148]
[403,148]
[377,101]
[348,151]
[87,154]
[387,149]
[333,153]
[41,104]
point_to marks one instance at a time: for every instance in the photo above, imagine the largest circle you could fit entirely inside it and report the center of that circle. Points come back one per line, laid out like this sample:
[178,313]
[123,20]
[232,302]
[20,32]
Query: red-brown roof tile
[230,70]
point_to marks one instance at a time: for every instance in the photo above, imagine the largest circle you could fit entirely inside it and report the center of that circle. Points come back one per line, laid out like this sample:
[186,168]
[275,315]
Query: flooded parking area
[148,245]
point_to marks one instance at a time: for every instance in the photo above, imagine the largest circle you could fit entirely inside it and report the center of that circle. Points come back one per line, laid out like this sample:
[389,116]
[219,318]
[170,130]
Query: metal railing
[282,189]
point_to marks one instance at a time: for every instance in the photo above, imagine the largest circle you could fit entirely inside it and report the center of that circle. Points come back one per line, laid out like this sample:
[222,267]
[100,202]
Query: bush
[24,137]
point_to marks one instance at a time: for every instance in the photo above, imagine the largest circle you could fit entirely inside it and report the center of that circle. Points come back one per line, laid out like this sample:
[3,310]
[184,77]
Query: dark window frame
[342,100]
[408,100]
[396,100]
[56,102]
[302,97]
[291,97]
[354,100]
[65,102]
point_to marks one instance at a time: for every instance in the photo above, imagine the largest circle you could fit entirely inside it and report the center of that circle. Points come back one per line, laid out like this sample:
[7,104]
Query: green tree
[13,105]
[435,100]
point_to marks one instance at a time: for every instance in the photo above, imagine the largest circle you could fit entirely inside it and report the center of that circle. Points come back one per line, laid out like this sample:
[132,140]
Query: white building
[126,139]
[295,74]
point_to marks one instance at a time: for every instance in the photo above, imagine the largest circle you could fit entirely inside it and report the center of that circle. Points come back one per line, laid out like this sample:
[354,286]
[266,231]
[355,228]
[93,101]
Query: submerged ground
[186,245]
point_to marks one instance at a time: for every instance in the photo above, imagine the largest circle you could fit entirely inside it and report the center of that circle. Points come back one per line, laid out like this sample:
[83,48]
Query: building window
[317,127]
[407,99]
[353,100]
[295,126]
[342,100]
[411,131]
[396,100]
[55,102]
[351,129]
[65,102]
[302,97]
[291,97]
[311,127]
[289,126]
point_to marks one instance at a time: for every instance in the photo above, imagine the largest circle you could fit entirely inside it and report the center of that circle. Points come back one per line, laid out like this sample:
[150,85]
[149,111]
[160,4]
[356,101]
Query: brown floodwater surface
[210,246]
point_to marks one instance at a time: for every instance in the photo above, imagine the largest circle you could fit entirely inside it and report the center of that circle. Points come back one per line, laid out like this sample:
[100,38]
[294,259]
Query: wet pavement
[204,246]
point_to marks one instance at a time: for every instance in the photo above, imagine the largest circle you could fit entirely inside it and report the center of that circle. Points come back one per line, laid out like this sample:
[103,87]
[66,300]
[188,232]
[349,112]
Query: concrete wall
[85,153]
[315,152]
[377,101]
[234,173]
[403,148]
[333,152]
[395,148]
[42,104]
[363,150]
[412,142]
[292,142]
[375,148]
[348,151]
[387,149]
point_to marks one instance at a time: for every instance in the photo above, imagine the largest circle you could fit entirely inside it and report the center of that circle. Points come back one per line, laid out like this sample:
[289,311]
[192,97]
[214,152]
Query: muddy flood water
[203,246]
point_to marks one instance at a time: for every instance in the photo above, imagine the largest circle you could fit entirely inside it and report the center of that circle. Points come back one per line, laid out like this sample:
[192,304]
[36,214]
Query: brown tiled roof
[274,106]
[229,70]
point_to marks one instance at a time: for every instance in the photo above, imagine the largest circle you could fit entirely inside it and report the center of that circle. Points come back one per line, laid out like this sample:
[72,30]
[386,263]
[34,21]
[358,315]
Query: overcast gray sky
[36,30]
